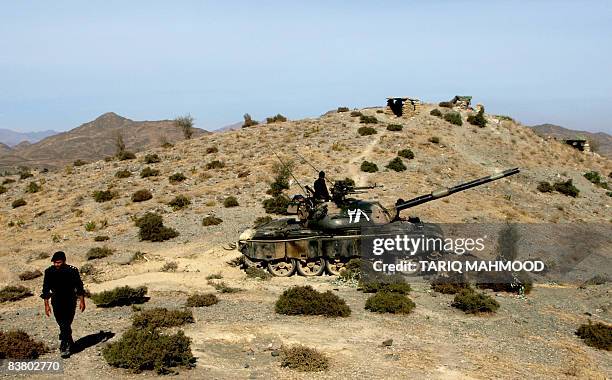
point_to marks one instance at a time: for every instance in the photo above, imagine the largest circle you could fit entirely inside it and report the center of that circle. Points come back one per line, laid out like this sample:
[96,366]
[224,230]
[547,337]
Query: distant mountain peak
[110,116]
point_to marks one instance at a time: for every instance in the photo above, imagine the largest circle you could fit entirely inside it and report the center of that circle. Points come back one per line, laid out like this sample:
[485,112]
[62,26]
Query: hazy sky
[63,63]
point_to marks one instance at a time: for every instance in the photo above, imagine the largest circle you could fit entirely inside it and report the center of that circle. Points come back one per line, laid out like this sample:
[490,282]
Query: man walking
[62,283]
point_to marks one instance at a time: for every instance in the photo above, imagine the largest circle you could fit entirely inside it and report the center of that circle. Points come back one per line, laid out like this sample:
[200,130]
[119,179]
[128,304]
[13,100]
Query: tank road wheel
[248,263]
[334,265]
[282,268]
[311,267]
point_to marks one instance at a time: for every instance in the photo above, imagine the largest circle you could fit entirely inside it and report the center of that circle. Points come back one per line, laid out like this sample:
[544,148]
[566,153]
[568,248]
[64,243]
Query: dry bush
[87,269]
[435,112]
[121,296]
[141,195]
[276,119]
[230,201]
[368,167]
[215,164]
[434,140]
[596,335]
[176,178]
[377,282]
[304,359]
[365,119]
[397,165]
[453,118]
[211,220]
[141,349]
[248,121]
[101,238]
[451,284]
[567,188]
[342,109]
[389,302]
[149,172]
[260,221]
[123,173]
[545,187]
[185,123]
[98,253]
[33,187]
[222,287]
[19,203]
[304,300]
[30,275]
[356,113]
[253,272]
[152,158]
[12,293]
[161,317]
[201,300]
[179,202]
[17,344]
[406,153]
[103,195]
[170,266]
[277,205]
[211,149]
[394,127]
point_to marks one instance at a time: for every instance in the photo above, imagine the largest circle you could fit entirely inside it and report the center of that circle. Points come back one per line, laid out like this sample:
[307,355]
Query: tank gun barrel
[444,192]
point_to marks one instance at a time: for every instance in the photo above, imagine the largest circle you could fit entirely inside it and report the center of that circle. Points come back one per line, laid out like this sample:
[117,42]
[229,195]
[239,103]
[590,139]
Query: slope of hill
[530,336]
[12,138]
[93,141]
[601,142]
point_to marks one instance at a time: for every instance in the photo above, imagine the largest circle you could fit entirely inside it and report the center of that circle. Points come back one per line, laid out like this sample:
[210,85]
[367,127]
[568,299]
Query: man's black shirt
[320,189]
[63,283]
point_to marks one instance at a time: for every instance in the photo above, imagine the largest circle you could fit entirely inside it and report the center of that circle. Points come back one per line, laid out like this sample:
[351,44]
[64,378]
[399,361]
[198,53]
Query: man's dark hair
[321,174]
[59,255]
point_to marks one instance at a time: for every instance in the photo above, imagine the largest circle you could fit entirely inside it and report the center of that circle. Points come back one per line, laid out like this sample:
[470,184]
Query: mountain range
[12,138]
[600,142]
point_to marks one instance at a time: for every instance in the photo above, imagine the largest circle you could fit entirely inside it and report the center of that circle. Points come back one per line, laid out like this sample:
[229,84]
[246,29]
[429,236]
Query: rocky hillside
[600,142]
[93,141]
[528,335]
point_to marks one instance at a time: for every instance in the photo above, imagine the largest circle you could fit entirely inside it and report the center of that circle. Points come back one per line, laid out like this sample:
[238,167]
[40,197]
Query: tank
[324,236]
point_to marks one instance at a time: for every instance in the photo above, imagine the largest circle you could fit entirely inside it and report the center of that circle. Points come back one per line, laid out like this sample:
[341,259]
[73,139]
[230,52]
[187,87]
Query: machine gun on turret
[342,188]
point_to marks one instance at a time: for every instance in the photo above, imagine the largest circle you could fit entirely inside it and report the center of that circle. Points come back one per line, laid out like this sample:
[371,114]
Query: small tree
[119,145]
[186,125]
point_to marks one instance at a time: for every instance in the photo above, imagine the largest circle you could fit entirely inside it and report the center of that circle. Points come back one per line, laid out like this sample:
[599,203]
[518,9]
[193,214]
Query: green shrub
[276,119]
[445,104]
[33,187]
[356,114]
[211,149]
[545,187]
[384,283]
[139,350]
[152,158]
[342,109]
[79,163]
[471,302]
[452,284]
[141,195]
[3,189]
[126,155]
[215,164]
[304,300]
[161,317]
[593,177]
[366,131]
[30,275]
[121,296]
[478,119]
[123,174]
[365,119]
[152,228]
[453,118]
[179,202]
[211,220]
[567,188]
[304,359]
[90,226]
[406,153]
[149,172]
[98,253]
[277,205]
[176,178]
[352,270]
[201,300]
[103,195]
[230,202]
[170,266]
[396,164]
[14,293]
[260,221]
[87,269]
[253,272]
[388,302]
[17,344]
[434,140]
[369,167]
[596,335]
[18,203]
[101,238]
[394,127]
[435,112]
[214,276]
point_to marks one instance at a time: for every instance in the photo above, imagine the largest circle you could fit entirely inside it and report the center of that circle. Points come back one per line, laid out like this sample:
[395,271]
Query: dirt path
[354,170]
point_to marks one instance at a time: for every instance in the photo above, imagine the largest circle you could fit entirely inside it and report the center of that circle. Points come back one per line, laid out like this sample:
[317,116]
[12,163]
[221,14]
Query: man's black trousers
[64,309]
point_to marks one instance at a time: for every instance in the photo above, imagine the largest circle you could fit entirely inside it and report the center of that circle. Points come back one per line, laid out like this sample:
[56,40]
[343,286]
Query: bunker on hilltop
[402,106]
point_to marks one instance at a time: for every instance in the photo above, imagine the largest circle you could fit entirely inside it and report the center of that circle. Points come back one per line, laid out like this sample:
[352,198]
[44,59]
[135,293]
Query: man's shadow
[91,340]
